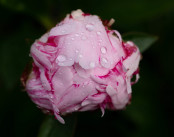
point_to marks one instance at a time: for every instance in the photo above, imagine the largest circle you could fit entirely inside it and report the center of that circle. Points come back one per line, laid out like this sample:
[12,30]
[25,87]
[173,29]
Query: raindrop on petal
[105,63]
[103,50]
[104,60]
[92,64]
[76,35]
[77,51]
[80,56]
[90,27]
[61,58]
[98,33]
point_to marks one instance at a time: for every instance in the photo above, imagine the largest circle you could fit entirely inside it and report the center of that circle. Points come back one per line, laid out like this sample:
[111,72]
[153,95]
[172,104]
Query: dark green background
[151,111]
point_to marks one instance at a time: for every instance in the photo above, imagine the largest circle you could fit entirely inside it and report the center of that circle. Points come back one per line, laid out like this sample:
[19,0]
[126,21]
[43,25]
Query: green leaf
[142,40]
[53,128]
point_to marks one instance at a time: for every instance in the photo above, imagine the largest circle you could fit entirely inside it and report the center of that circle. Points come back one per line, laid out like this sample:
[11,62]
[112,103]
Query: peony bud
[82,65]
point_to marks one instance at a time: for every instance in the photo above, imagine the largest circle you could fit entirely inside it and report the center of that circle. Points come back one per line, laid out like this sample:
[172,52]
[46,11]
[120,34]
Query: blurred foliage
[142,40]
[52,128]
[151,111]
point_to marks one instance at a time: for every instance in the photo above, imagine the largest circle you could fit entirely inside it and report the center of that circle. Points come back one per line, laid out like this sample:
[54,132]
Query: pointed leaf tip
[142,40]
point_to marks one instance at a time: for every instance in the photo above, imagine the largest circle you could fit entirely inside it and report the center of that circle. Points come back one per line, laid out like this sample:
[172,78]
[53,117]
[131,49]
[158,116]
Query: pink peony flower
[82,65]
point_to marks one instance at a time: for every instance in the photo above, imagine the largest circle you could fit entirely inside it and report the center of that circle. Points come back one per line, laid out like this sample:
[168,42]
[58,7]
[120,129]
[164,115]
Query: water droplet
[80,56]
[98,33]
[104,60]
[84,38]
[63,31]
[61,64]
[105,63]
[92,64]
[90,27]
[61,58]
[103,50]
[77,50]
[72,38]
[76,35]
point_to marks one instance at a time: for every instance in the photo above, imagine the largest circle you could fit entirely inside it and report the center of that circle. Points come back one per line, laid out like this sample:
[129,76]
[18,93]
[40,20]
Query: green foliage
[142,40]
[52,128]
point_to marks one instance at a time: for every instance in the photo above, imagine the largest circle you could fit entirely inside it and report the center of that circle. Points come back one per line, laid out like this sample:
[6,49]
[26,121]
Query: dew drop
[90,27]
[103,50]
[61,64]
[61,58]
[76,35]
[104,60]
[92,65]
[98,33]
[77,51]
[80,56]
[72,38]
[105,63]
